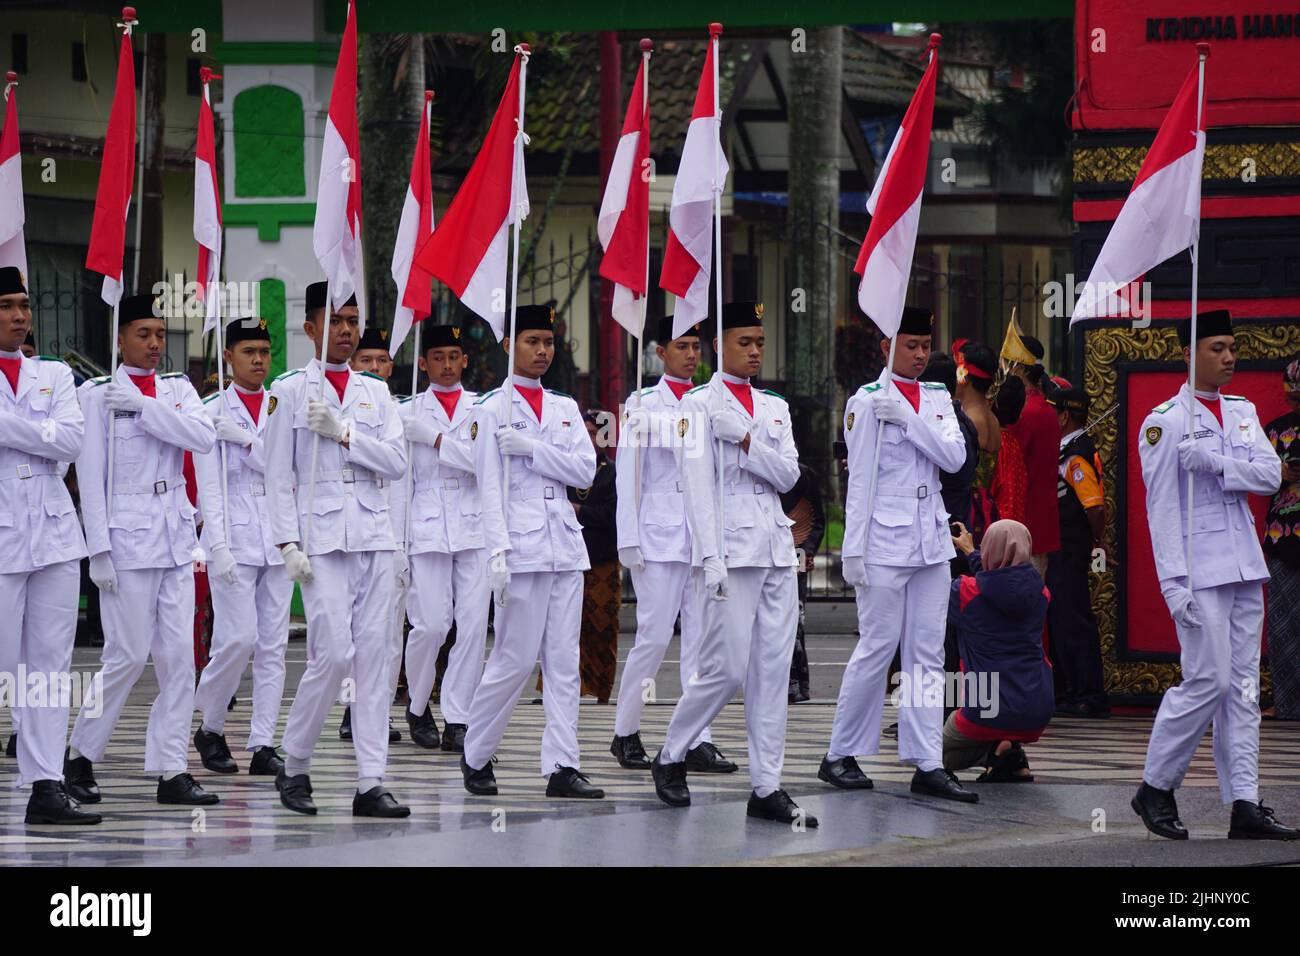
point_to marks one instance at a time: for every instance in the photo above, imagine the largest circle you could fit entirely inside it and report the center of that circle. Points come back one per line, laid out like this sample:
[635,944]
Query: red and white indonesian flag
[885,260]
[468,249]
[624,223]
[414,286]
[689,254]
[116,176]
[1162,215]
[13,250]
[336,236]
[207,209]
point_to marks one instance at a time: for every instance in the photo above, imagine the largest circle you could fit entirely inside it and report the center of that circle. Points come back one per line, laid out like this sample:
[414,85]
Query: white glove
[498,576]
[422,431]
[855,571]
[103,573]
[631,558]
[887,409]
[1195,458]
[222,563]
[231,431]
[296,564]
[123,398]
[512,441]
[729,426]
[638,426]
[402,568]
[715,578]
[1182,606]
[322,420]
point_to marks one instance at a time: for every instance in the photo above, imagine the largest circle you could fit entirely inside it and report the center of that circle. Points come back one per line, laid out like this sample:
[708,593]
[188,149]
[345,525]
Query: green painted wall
[269,143]
[271,295]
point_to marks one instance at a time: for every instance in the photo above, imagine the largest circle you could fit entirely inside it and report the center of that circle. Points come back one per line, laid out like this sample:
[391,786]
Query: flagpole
[646,46]
[128,22]
[524,52]
[715,30]
[315,444]
[221,351]
[1203,51]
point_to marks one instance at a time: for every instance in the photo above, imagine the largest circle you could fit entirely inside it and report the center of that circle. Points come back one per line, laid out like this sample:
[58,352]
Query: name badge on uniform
[1247,431]
[565,424]
[364,405]
[519,425]
[45,391]
[123,413]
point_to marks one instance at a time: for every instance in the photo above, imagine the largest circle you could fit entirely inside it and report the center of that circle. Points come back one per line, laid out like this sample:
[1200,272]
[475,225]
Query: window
[78,62]
[269,143]
[18,53]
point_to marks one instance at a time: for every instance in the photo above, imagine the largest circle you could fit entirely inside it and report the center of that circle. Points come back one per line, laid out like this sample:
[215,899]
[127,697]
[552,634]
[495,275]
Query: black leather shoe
[630,752]
[184,790]
[670,782]
[1254,821]
[844,773]
[943,784]
[50,803]
[11,748]
[453,738]
[707,758]
[481,782]
[345,727]
[214,752]
[378,802]
[394,735]
[778,806]
[79,779]
[568,782]
[265,763]
[295,792]
[1159,812]
[424,730]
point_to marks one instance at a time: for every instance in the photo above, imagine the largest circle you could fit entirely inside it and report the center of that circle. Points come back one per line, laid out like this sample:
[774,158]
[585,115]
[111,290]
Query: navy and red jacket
[999,620]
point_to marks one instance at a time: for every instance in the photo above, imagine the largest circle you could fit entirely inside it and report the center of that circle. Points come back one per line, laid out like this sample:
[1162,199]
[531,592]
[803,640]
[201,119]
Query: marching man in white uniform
[896,557]
[1217,603]
[142,551]
[41,547]
[250,590]
[743,543]
[448,563]
[655,545]
[337,542]
[536,556]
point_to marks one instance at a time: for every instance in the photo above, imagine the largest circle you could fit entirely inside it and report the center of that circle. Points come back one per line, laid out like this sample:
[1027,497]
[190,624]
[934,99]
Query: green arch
[270,146]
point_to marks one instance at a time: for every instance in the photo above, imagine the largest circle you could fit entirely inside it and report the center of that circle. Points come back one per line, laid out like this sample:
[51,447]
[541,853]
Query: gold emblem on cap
[383,335]
[758,310]
[261,325]
[22,279]
[552,316]
[455,332]
[157,307]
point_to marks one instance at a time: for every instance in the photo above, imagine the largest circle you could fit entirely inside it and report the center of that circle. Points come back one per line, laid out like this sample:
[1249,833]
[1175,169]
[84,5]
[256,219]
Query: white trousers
[1220,666]
[748,641]
[150,615]
[542,618]
[249,619]
[663,590]
[349,606]
[896,605]
[40,609]
[447,587]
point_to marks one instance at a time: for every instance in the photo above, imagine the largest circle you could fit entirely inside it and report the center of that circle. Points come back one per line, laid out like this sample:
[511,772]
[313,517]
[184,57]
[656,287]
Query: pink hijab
[1005,543]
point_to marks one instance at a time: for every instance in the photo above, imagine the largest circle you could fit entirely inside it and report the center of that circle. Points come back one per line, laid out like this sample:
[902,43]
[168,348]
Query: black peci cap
[742,315]
[916,321]
[316,297]
[665,332]
[440,337]
[12,281]
[1208,324]
[247,330]
[534,317]
[373,338]
[145,306]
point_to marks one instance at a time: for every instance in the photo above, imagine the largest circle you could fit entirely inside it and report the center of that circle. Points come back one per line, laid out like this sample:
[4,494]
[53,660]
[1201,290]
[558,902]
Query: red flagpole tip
[11,77]
[205,74]
[935,40]
[715,29]
[128,13]
[525,49]
[647,44]
[428,96]
[1203,49]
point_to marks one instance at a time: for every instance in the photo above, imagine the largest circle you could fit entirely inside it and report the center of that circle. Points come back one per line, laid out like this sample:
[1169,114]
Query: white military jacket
[351,507]
[151,522]
[443,495]
[755,528]
[908,526]
[251,541]
[541,529]
[41,428]
[660,530]
[1225,544]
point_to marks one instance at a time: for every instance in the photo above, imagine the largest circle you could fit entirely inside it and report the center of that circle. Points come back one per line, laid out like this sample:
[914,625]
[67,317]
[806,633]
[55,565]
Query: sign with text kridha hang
[1131,58]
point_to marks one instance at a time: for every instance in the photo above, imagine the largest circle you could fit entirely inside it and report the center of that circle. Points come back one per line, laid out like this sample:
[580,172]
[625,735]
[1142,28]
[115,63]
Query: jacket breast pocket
[894,447]
[426,506]
[739,513]
[470,507]
[131,515]
[130,441]
[371,419]
[664,510]
[526,517]
[239,513]
[1205,520]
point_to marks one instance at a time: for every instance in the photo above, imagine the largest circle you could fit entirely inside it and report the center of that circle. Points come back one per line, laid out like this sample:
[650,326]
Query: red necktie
[339,380]
[744,394]
[10,367]
[449,400]
[145,383]
[534,398]
[252,402]
[679,388]
[910,391]
[1213,405]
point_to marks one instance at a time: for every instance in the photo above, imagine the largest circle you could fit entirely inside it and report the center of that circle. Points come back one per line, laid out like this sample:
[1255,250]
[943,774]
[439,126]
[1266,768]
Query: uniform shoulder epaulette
[647,389]
[51,358]
[768,391]
[486,395]
[100,380]
[870,387]
[556,391]
[696,388]
[174,375]
[1234,398]
[284,375]
[934,385]
[405,399]
[372,375]
[210,397]
[1165,406]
